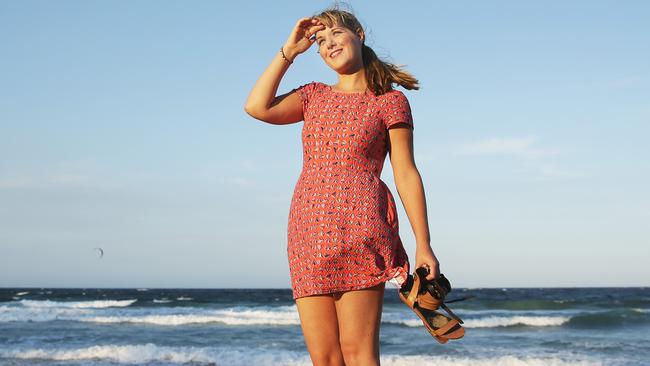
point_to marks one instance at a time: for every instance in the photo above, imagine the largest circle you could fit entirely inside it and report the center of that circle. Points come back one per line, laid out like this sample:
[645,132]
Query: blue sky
[122,127]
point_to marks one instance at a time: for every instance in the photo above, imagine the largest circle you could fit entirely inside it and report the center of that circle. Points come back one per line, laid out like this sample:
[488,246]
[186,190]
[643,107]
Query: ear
[361,34]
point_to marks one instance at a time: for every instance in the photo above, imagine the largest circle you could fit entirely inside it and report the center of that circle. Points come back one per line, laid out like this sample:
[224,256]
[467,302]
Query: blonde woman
[343,234]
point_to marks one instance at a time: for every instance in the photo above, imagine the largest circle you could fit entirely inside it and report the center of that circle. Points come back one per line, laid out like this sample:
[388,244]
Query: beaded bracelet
[285,57]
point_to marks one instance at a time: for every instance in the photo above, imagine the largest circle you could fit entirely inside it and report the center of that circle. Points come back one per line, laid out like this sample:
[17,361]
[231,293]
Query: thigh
[318,320]
[359,317]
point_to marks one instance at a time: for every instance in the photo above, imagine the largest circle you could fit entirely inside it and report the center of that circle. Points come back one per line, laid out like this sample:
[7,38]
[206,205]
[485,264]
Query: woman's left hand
[424,257]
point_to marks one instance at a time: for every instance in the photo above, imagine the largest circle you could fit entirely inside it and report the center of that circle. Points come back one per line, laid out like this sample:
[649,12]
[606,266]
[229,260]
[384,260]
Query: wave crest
[97,304]
[285,316]
[493,321]
[510,321]
[151,353]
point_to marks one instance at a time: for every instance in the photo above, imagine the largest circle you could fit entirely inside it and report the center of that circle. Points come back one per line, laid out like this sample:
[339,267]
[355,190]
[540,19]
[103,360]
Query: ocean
[509,326]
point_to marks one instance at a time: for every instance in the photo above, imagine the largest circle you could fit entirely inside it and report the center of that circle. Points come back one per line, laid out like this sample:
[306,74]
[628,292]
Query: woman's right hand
[301,38]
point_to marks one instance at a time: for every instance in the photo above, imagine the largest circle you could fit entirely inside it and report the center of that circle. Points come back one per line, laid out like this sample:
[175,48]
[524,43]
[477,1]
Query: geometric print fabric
[343,231]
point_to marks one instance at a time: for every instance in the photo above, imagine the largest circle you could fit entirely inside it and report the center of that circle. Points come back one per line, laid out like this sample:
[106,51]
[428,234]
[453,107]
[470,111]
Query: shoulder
[393,99]
[307,89]
[319,86]
[393,95]
[394,108]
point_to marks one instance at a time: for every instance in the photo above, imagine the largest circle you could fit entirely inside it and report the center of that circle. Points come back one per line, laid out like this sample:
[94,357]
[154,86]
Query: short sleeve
[305,92]
[396,109]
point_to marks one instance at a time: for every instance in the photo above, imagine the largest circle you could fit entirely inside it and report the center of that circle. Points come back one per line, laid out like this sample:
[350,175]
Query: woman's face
[340,48]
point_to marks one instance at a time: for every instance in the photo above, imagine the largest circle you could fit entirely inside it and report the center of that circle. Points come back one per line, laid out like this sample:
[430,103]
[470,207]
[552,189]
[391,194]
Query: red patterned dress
[343,232]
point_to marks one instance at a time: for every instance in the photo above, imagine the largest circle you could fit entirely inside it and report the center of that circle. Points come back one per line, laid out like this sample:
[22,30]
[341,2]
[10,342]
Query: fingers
[304,19]
[312,31]
[431,274]
[316,28]
[310,26]
[432,270]
[308,21]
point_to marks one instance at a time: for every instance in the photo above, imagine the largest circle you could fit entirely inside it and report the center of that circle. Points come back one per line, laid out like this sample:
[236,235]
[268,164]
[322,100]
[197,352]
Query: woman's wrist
[287,54]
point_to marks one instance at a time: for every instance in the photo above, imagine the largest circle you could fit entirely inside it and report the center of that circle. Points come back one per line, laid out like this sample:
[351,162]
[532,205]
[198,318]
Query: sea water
[509,326]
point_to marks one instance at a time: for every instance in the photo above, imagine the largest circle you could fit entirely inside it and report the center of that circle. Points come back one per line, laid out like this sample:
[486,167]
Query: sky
[122,127]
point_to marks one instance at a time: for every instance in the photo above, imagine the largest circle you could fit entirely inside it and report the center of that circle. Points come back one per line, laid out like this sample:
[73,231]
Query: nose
[330,43]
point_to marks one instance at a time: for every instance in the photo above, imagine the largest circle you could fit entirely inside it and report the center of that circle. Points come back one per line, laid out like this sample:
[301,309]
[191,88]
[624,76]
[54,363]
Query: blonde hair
[381,75]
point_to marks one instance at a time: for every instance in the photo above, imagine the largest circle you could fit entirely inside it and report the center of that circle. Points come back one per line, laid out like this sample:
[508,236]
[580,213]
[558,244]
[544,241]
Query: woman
[343,239]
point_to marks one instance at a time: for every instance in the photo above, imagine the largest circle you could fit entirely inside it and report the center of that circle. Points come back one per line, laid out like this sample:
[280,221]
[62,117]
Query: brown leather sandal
[424,297]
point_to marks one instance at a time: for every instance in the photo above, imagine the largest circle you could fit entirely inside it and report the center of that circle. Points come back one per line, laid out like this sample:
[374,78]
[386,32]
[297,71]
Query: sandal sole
[438,320]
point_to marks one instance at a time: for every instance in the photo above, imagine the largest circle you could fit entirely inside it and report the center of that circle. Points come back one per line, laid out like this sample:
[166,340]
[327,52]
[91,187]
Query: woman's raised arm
[262,103]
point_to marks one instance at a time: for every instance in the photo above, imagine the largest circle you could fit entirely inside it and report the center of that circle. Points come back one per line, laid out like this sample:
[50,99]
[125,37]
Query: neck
[353,82]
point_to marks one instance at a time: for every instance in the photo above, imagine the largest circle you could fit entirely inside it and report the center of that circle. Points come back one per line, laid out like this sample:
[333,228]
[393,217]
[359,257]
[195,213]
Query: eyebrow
[333,29]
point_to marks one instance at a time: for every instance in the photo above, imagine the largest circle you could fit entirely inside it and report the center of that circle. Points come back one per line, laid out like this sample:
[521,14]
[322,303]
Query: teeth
[336,53]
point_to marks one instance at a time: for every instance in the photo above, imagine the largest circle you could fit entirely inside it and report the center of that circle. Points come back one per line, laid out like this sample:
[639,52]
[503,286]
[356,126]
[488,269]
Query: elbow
[251,106]
[259,114]
[405,175]
[250,111]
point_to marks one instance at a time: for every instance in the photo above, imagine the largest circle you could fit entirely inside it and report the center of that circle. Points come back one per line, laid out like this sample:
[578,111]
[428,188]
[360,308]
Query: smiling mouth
[335,53]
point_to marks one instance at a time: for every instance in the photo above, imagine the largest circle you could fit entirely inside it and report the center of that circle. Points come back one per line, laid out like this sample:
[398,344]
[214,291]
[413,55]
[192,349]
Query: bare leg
[320,329]
[359,317]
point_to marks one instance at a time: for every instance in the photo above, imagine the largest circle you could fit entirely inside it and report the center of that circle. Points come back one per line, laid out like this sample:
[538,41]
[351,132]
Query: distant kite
[101,252]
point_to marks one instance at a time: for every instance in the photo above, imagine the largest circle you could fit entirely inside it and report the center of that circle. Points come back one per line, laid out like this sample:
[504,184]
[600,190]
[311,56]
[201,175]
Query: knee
[326,357]
[356,353]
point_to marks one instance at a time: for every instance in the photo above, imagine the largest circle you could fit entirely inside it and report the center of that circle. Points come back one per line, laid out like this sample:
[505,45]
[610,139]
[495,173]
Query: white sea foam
[121,354]
[285,315]
[9,313]
[162,301]
[487,321]
[150,353]
[399,360]
[117,311]
[509,321]
[46,310]
[22,293]
[182,298]
[77,304]
[172,316]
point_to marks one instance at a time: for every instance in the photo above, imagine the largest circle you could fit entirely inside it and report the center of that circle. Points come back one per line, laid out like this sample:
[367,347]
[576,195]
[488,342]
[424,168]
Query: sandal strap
[424,300]
[429,302]
[458,333]
[451,313]
[446,328]
[413,294]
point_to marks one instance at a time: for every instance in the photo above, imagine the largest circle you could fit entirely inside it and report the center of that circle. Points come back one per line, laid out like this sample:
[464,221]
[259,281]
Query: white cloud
[535,164]
[234,173]
[247,164]
[16,181]
[83,173]
[52,180]
[621,82]
[240,182]
[551,172]
[425,156]
[513,146]
[625,82]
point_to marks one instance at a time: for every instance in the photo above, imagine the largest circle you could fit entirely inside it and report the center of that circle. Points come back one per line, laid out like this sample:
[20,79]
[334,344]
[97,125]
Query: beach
[146,326]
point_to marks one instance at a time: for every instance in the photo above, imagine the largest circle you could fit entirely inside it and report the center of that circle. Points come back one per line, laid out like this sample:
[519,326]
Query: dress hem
[397,278]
